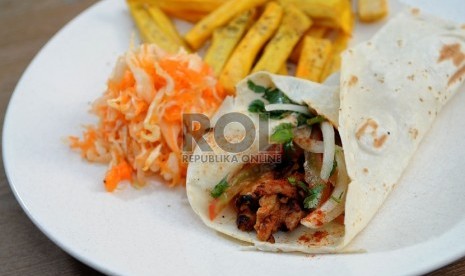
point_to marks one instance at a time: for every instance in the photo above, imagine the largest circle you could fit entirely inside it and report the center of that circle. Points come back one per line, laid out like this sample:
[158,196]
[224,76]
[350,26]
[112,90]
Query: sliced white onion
[329,150]
[287,107]
[311,145]
[335,205]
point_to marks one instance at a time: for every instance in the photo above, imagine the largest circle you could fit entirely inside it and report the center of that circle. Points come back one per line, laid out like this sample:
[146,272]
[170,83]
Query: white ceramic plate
[153,230]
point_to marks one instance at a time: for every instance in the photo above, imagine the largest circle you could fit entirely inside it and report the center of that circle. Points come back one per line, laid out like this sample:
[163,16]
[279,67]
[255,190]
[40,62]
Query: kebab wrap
[343,146]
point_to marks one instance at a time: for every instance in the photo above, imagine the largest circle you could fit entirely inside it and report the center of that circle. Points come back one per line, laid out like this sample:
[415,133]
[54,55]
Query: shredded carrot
[122,171]
[139,132]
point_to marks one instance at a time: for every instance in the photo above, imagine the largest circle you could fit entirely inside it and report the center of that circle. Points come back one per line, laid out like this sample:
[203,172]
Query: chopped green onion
[219,188]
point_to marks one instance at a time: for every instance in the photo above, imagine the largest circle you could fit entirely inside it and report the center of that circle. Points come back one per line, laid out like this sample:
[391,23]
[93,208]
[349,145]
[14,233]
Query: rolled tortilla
[392,88]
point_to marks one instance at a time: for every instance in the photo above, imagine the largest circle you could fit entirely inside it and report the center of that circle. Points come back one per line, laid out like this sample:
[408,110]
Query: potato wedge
[219,17]
[225,39]
[331,13]
[314,31]
[150,32]
[334,64]
[241,61]
[372,10]
[164,22]
[316,52]
[292,28]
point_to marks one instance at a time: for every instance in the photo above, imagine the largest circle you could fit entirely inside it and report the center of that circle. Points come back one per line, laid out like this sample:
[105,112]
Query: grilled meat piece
[293,215]
[269,206]
[268,217]
[275,186]
[277,214]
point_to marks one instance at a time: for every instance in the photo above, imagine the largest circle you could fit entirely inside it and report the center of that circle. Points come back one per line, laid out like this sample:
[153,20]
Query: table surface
[25,26]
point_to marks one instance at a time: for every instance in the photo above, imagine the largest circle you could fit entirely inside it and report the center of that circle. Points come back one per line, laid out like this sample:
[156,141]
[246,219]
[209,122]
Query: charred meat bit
[246,207]
[246,220]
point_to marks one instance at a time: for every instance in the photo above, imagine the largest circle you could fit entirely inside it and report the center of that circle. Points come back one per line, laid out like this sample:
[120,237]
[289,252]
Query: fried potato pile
[245,36]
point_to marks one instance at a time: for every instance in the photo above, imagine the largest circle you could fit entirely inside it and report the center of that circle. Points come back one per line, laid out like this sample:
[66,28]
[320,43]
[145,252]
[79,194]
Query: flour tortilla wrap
[391,89]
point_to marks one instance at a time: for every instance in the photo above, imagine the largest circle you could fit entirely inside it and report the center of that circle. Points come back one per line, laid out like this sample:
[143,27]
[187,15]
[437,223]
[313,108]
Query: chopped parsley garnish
[219,188]
[295,182]
[283,133]
[292,180]
[276,96]
[273,96]
[256,88]
[315,120]
[302,119]
[289,150]
[314,196]
[257,106]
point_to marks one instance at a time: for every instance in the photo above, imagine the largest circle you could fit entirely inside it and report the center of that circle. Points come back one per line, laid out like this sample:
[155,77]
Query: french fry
[283,70]
[196,6]
[241,61]
[316,52]
[293,26]
[314,31]
[372,10]
[331,13]
[164,22]
[190,16]
[317,31]
[219,17]
[225,39]
[149,30]
[334,64]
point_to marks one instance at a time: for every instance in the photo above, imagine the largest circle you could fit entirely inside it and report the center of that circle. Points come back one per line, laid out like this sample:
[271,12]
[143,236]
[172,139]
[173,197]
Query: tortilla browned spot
[379,142]
[415,11]
[362,129]
[353,80]
[452,52]
[457,76]
[414,133]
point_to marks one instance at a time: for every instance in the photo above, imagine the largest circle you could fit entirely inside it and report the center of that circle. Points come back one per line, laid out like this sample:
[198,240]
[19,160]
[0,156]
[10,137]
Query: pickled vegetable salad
[139,132]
